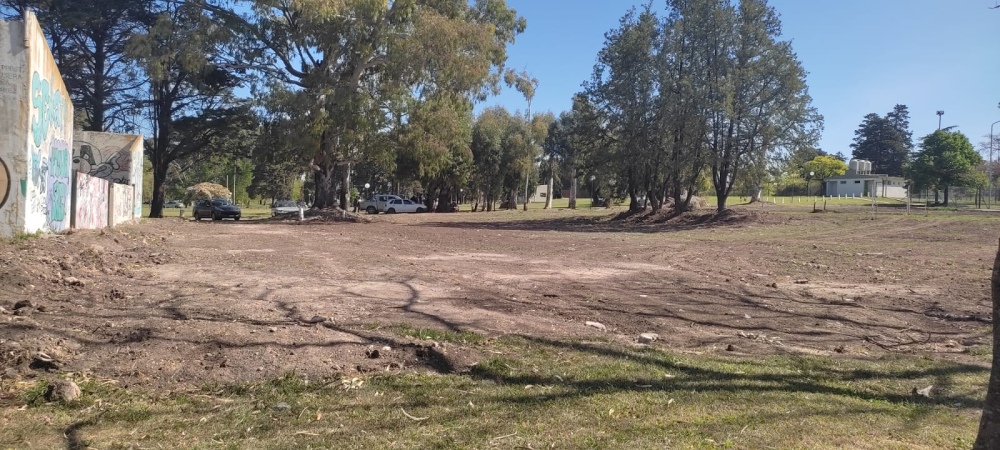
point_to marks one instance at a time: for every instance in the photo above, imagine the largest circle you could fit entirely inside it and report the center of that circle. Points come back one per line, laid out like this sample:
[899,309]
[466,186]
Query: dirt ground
[181,303]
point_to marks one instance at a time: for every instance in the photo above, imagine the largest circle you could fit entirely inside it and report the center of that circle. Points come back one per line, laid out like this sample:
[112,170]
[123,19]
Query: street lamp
[939,114]
[991,163]
[808,179]
[366,189]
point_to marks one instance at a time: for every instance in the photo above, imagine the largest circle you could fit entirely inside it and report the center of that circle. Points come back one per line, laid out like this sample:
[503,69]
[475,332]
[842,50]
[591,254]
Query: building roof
[854,176]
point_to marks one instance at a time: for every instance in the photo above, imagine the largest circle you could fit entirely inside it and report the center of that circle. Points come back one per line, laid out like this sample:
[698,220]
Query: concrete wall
[91,207]
[50,139]
[114,157]
[121,204]
[14,120]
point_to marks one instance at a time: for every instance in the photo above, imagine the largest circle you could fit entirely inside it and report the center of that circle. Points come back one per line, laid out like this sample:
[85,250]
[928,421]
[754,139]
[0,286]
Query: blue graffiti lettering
[49,109]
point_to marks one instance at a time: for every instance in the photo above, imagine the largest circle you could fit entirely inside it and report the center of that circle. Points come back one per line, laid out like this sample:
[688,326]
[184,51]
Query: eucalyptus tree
[502,152]
[435,148]
[359,60]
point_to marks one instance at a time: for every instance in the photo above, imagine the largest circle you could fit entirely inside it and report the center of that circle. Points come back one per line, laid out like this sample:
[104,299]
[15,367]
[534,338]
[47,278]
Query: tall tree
[946,158]
[89,40]
[190,102]
[624,86]
[885,141]
[360,58]
[767,106]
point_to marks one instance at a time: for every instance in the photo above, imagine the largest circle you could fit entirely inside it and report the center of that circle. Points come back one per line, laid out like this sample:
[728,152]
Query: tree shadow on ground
[689,376]
[639,222]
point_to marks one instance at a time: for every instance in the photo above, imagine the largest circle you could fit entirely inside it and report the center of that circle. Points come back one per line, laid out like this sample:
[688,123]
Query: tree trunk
[946,189]
[345,187]
[989,424]
[444,201]
[326,187]
[159,193]
[526,196]
[548,193]
[757,193]
[572,190]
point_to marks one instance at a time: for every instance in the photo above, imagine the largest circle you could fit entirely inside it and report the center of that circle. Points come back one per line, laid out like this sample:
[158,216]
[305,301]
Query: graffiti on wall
[4,183]
[49,108]
[48,181]
[57,183]
[114,166]
[91,202]
[137,175]
[122,203]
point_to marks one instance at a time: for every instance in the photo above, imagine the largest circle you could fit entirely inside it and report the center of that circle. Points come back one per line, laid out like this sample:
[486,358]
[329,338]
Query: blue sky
[862,56]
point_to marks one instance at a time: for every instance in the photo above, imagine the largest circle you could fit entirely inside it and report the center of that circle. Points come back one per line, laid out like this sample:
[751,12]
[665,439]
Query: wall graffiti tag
[49,108]
[91,202]
[57,184]
[122,203]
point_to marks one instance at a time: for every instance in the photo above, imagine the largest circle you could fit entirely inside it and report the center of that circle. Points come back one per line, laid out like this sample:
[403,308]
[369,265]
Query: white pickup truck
[377,203]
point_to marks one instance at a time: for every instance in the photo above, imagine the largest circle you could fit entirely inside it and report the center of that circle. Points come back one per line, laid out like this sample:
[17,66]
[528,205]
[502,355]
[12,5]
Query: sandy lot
[182,303]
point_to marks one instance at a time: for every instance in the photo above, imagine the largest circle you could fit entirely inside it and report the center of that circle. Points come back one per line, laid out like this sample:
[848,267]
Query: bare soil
[181,303]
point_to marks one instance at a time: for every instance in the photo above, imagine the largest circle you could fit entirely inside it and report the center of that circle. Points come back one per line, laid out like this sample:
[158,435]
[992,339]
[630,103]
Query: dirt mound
[323,216]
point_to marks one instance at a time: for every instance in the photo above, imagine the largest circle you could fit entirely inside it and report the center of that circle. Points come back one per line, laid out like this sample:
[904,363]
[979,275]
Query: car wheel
[391,211]
[236,218]
[420,210]
[372,210]
[215,216]
[197,217]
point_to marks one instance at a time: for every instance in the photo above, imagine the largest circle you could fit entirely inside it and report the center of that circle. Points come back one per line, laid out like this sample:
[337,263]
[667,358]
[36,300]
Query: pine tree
[885,141]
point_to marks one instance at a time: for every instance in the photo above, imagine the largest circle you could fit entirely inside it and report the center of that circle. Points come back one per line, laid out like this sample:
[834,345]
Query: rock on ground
[62,391]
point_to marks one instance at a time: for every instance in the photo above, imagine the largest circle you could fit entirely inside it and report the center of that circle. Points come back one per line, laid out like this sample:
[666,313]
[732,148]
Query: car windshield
[220,203]
[285,204]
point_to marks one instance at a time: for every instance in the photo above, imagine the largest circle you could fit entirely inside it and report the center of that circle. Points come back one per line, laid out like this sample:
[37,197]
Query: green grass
[536,393]
[431,334]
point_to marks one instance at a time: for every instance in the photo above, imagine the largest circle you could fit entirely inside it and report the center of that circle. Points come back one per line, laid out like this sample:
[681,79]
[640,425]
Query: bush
[205,191]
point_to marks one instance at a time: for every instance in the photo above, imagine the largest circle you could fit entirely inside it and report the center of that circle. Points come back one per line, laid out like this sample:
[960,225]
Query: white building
[860,182]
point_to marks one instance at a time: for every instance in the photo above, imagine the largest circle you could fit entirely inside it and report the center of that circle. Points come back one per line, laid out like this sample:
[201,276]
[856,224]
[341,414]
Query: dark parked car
[217,209]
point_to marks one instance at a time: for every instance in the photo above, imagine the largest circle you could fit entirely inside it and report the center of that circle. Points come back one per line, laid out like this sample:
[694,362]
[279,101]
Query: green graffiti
[49,109]
[24,187]
[57,207]
[58,185]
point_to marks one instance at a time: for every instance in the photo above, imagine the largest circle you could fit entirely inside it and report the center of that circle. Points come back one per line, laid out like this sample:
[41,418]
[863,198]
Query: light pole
[367,185]
[991,164]
[808,180]
[939,114]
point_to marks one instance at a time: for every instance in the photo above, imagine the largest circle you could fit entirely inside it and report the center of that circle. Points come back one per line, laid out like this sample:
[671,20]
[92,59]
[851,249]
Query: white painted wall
[114,157]
[50,139]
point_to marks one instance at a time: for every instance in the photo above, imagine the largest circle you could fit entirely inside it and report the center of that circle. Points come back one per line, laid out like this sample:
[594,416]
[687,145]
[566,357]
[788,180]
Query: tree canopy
[886,141]
[946,158]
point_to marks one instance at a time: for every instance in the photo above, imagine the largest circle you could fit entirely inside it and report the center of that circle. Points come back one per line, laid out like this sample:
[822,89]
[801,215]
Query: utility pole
[991,164]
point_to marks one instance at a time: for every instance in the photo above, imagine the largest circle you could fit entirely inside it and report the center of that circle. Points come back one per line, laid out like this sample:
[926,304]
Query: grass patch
[432,334]
[539,393]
